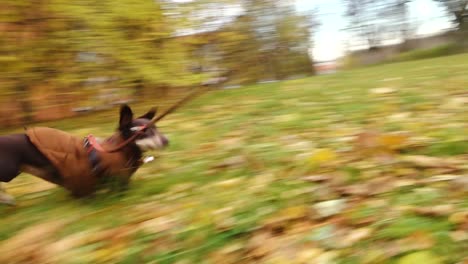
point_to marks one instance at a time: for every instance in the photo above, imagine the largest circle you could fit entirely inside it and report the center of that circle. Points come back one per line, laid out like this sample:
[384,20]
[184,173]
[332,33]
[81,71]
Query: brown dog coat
[69,156]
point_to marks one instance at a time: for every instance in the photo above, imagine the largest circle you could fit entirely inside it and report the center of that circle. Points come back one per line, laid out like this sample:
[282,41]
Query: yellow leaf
[459,217]
[286,118]
[323,156]
[392,141]
[426,257]
[309,255]
[295,212]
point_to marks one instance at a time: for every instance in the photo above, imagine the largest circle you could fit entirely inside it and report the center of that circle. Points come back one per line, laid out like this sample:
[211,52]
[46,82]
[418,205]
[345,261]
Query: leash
[178,104]
[94,144]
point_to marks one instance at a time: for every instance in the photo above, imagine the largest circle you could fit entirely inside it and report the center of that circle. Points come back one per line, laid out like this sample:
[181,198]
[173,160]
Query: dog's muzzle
[152,143]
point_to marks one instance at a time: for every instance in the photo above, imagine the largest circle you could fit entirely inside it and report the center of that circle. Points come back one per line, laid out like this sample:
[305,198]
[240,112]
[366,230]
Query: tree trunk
[25,104]
[138,88]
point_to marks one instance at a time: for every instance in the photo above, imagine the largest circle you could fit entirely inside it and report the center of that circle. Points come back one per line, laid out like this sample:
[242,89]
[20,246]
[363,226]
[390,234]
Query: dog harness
[93,154]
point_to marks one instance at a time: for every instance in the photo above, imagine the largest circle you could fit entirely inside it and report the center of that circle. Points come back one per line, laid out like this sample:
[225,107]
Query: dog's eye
[138,128]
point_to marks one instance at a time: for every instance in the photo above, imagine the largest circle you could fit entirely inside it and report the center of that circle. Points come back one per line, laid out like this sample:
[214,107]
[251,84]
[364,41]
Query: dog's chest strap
[93,156]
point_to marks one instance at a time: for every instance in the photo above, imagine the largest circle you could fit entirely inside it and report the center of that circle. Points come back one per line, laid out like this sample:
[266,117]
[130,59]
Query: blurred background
[335,131]
[60,58]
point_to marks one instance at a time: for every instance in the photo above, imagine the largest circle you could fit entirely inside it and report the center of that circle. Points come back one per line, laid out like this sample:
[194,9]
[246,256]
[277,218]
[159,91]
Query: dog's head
[150,138]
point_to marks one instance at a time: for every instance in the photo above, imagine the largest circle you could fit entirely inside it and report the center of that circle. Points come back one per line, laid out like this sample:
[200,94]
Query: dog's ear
[126,116]
[151,113]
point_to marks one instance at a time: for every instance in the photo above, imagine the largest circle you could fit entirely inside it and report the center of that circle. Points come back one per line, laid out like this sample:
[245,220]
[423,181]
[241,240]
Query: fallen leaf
[317,178]
[439,178]
[296,212]
[7,199]
[261,182]
[404,183]
[182,187]
[355,190]
[300,146]
[326,235]
[230,254]
[230,183]
[328,257]
[235,161]
[383,90]
[391,79]
[158,225]
[28,241]
[355,236]
[261,244]
[380,144]
[366,140]
[283,218]
[417,241]
[461,183]
[309,255]
[231,143]
[437,210]
[393,141]
[374,256]
[322,156]
[455,103]
[329,208]
[425,257]
[427,161]
[459,235]
[399,117]
[380,185]
[286,118]
[459,217]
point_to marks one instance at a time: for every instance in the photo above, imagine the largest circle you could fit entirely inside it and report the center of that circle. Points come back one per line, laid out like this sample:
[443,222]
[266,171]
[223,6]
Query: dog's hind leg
[9,170]
[5,198]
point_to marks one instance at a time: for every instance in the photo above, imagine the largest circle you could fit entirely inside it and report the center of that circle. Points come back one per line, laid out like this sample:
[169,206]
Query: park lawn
[363,166]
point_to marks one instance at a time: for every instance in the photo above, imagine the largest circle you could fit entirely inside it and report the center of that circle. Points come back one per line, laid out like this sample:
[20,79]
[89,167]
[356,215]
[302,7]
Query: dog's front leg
[5,198]
[118,184]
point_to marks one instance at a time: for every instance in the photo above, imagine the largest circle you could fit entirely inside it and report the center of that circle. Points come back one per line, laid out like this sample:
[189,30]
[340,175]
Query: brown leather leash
[178,104]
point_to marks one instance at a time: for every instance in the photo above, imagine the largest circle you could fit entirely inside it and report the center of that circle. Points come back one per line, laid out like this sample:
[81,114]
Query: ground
[363,166]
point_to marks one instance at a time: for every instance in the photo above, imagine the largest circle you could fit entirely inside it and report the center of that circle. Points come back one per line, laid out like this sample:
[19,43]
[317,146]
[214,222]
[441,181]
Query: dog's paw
[7,199]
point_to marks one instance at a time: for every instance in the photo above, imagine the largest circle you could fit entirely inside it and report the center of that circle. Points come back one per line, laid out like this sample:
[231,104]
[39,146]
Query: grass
[440,51]
[184,207]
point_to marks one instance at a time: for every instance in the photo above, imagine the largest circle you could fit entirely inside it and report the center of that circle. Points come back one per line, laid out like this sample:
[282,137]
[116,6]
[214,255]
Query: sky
[330,38]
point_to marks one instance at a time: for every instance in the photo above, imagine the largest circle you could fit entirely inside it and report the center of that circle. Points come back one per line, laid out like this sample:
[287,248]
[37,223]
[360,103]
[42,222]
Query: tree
[66,43]
[294,42]
[266,39]
[130,44]
[397,11]
[459,10]
[362,15]
[282,36]
[29,52]
[372,22]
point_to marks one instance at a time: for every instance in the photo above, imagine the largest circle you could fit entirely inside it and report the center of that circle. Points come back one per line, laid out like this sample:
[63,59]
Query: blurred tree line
[458,10]
[63,52]
[372,22]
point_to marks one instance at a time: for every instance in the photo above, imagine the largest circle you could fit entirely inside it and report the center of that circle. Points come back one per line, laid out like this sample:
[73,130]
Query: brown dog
[78,164]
